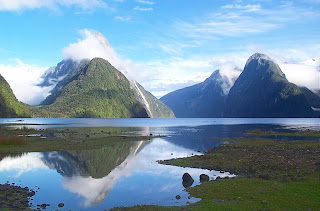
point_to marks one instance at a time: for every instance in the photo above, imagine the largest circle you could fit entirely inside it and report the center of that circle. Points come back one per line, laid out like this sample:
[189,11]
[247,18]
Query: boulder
[187,180]
[204,178]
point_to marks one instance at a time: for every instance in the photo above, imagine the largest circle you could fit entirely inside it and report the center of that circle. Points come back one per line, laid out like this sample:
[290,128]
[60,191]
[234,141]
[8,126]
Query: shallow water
[126,173]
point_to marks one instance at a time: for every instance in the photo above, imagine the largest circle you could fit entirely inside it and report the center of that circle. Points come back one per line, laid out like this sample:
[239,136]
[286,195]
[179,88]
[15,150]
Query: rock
[187,180]
[178,197]
[61,205]
[31,193]
[204,178]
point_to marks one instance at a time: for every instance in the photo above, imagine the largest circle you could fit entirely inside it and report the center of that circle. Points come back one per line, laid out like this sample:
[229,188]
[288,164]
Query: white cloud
[302,74]
[17,5]
[23,79]
[229,74]
[246,8]
[143,9]
[93,45]
[25,163]
[146,2]
[122,18]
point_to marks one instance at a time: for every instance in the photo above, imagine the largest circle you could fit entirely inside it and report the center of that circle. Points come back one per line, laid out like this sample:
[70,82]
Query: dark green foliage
[157,108]
[205,99]
[96,89]
[262,90]
[9,105]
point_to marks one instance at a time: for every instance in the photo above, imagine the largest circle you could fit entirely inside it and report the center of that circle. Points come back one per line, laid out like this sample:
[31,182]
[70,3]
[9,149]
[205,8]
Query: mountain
[313,98]
[205,99]
[154,107]
[55,74]
[262,90]
[96,89]
[10,107]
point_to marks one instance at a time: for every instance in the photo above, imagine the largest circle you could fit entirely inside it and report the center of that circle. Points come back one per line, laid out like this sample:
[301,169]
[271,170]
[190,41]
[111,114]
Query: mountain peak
[259,57]
[101,38]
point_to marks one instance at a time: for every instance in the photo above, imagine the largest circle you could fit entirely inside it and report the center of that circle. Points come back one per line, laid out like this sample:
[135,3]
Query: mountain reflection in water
[104,177]
[126,173]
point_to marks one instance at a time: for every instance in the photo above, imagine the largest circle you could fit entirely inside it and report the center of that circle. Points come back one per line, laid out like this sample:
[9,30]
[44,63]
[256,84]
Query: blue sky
[174,43]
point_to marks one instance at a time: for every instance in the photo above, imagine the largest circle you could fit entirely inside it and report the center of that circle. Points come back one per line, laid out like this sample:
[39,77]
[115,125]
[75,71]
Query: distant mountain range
[261,90]
[94,88]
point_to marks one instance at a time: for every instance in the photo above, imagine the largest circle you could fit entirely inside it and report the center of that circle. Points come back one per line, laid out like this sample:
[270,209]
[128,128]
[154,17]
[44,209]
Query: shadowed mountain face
[55,74]
[262,90]
[9,105]
[313,98]
[205,99]
[96,89]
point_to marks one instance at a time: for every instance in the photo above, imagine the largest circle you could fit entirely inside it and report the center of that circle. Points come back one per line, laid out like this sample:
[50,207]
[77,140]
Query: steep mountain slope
[313,99]
[9,105]
[55,74]
[205,99]
[154,107]
[262,90]
[96,89]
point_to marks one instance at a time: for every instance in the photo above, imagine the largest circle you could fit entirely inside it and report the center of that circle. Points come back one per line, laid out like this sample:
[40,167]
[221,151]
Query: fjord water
[126,173]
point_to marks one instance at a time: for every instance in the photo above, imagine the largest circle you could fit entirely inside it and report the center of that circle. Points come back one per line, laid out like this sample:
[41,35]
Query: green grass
[302,133]
[256,194]
[19,140]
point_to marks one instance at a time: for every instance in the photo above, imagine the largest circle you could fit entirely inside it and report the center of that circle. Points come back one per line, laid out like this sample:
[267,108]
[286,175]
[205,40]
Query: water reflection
[22,163]
[121,174]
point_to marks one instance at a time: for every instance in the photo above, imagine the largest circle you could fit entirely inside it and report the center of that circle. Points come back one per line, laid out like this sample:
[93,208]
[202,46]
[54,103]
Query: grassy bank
[32,140]
[272,175]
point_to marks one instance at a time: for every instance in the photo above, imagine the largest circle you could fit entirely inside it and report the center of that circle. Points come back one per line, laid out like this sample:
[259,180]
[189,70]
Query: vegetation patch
[300,133]
[31,140]
[13,197]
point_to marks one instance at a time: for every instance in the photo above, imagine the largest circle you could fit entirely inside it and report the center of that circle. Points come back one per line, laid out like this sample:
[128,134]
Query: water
[126,173]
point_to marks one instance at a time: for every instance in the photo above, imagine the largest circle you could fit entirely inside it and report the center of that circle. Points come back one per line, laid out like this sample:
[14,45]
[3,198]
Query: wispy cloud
[143,9]
[246,8]
[146,2]
[23,79]
[239,20]
[18,5]
[122,18]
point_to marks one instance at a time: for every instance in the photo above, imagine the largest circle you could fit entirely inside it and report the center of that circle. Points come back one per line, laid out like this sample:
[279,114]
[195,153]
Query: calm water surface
[126,173]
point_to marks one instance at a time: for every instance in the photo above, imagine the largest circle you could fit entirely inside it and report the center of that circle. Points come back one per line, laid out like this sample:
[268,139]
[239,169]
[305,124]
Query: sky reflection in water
[126,173]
